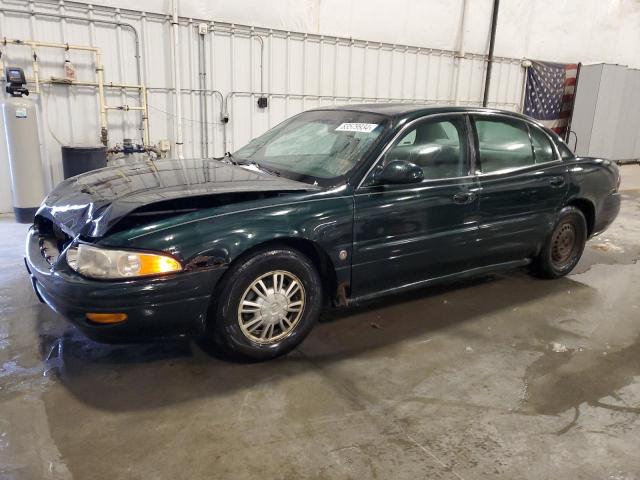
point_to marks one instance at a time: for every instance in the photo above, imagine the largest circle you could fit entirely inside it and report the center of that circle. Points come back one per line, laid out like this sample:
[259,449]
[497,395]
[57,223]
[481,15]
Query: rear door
[407,233]
[523,184]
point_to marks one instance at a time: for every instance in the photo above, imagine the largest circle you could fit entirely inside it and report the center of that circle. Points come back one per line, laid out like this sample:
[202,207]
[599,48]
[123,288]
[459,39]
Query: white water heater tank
[23,145]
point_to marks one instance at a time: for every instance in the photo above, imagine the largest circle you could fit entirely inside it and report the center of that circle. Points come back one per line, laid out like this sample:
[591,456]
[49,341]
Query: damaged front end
[92,204]
[84,265]
[92,209]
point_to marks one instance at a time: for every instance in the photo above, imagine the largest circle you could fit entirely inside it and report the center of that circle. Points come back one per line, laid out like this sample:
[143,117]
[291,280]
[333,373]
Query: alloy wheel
[271,307]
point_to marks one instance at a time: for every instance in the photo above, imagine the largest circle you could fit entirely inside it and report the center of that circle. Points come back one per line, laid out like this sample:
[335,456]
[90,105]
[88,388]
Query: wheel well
[312,251]
[588,210]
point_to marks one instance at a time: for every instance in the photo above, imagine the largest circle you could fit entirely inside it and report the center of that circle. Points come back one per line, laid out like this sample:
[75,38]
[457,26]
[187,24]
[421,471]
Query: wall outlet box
[203,28]
[164,145]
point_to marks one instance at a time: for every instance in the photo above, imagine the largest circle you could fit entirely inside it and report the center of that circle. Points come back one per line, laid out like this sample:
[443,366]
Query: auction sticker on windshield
[357,127]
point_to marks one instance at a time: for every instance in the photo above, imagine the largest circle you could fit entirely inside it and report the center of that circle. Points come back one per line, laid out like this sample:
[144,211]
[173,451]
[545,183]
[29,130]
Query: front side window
[320,146]
[503,145]
[437,146]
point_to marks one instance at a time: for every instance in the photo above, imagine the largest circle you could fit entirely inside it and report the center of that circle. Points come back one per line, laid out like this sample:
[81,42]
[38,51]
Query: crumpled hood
[91,203]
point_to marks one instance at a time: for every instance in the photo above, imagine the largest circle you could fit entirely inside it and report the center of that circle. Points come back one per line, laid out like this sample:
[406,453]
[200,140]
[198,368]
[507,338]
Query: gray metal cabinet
[606,115]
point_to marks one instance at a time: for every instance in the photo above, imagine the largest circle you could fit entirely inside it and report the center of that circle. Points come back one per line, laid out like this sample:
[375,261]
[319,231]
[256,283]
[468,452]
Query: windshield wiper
[252,163]
[226,158]
[229,158]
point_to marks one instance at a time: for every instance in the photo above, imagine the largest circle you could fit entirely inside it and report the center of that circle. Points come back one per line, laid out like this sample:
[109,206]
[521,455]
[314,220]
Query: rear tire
[564,246]
[267,304]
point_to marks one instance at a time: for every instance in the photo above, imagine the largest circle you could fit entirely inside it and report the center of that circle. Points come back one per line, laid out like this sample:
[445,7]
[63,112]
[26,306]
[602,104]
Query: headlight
[103,263]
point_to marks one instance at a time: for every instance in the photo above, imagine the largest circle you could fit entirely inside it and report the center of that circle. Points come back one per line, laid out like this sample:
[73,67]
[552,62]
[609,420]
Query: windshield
[320,146]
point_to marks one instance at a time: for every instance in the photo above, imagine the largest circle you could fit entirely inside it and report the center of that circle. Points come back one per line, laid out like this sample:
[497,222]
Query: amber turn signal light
[106,317]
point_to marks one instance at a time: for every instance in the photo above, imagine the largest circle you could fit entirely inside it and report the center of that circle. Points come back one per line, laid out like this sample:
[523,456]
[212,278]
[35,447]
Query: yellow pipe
[84,83]
[36,70]
[104,132]
[100,83]
[145,116]
[122,107]
[33,44]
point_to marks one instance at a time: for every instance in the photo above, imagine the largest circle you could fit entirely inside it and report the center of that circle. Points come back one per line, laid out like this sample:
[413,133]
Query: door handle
[464,197]
[557,181]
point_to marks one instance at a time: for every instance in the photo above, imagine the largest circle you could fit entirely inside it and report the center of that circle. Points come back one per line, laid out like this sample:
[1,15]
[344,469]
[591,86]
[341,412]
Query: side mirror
[398,172]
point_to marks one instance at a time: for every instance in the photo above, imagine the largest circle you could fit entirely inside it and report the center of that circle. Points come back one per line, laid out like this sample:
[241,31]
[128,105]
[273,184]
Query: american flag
[550,93]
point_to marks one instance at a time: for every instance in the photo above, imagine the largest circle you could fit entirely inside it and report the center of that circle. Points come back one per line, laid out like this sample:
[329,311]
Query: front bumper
[164,306]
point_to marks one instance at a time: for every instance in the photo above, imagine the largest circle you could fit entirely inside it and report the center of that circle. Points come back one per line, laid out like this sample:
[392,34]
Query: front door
[404,234]
[522,182]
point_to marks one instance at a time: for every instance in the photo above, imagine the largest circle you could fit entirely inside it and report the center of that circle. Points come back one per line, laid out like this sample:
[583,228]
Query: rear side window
[542,147]
[438,146]
[503,144]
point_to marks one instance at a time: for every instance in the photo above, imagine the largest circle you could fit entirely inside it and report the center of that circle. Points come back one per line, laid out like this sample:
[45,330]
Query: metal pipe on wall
[145,117]
[225,100]
[65,46]
[104,126]
[143,108]
[175,48]
[100,84]
[492,42]
[261,42]
[76,18]
[525,66]
[460,53]
[202,73]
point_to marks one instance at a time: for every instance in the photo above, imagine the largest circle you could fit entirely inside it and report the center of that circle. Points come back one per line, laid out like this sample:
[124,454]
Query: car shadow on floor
[146,376]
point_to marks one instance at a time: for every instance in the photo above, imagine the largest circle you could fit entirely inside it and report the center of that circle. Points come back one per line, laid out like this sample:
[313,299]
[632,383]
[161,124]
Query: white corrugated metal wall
[296,71]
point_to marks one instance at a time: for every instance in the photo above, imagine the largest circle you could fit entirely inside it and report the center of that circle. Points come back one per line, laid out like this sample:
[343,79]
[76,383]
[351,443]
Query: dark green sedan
[332,206]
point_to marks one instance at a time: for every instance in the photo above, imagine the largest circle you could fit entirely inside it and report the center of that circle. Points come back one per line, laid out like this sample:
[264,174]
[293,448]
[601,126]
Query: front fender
[219,238]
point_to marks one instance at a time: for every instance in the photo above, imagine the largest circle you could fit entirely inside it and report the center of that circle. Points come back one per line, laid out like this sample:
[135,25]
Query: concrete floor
[501,377]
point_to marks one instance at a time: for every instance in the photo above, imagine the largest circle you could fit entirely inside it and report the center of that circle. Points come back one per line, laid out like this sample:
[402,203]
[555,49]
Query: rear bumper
[158,307]
[608,212]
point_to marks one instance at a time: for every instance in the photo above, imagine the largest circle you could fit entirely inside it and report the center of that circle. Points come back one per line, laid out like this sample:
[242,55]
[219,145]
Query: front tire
[267,304]
[563,248]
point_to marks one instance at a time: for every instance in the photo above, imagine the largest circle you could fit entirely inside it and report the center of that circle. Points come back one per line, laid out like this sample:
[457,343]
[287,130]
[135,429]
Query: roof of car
[408,109]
